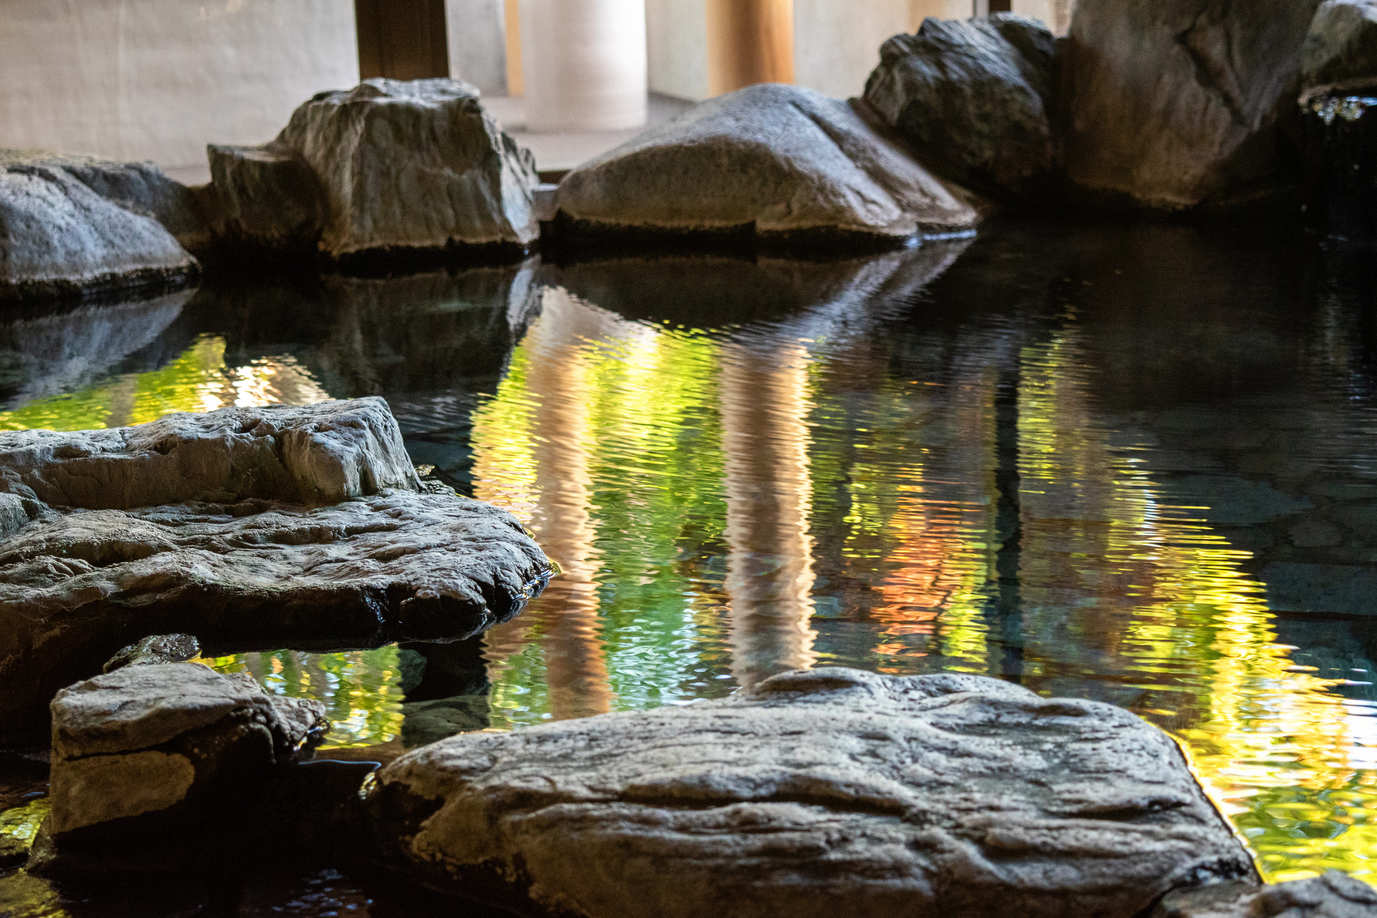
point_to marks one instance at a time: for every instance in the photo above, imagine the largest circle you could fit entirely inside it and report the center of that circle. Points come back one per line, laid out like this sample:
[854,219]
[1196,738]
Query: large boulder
[974,98]
[242,526]
[1177,103]
[769,162]
[144,751]
[1341,47]
[830,792]
[389,167]
[60,236]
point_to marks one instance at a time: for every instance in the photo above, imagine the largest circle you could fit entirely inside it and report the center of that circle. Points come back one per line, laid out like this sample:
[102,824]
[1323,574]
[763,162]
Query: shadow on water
[1134,464]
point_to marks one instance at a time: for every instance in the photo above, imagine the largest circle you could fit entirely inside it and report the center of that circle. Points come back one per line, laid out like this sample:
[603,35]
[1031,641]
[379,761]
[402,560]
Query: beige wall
[158,79]
[676,34]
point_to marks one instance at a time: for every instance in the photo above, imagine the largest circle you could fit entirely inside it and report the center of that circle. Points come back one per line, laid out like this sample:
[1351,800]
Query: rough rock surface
[1331,895]
[1175,103]
[60,236]
[973,97]
[155,649]
[398,165]
[141,187]
[148,747]
[172,526]
[827,792]
[770,161]
[1340,49]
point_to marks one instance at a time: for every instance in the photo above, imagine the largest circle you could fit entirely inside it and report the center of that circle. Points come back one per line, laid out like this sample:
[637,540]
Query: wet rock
[155,649]
[400,166]
[813,793]
[242,525]
[59,236]
[327,452]
[1330,895]
[1176,103]
[768,162]
[1341,46]
[146,750]
[973,97]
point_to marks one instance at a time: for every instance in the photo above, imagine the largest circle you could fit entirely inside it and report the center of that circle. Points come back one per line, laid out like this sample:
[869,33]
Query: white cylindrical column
[583,64]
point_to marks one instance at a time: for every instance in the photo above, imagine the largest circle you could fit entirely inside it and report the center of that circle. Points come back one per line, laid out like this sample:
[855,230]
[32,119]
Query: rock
[145,750]
[399,166]
[61,237]
[1341,47]
[186,212]
[1331,895]
[155,649]
[1176,103]
[814,793]
[974,97]
[242,525]
[322,453]
[769,162]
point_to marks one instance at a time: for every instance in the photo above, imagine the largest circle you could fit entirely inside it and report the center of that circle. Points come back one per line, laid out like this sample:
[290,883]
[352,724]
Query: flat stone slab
[173,526]
[829,792]
[768,162]
[61,236]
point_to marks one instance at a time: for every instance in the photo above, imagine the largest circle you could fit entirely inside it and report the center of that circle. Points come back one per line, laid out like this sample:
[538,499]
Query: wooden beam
[749,41]
[402,39]
[516,83]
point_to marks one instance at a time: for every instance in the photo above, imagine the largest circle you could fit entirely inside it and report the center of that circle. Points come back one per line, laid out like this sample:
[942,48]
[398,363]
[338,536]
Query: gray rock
[1340,49]
[318,454]
[173,526]
[144,749]
[61,237]
[1330,895]
[399,165]
[155,649]
[1175,103]
[184,211]
[771,161]
[267,196]
[974,97]
[814,793]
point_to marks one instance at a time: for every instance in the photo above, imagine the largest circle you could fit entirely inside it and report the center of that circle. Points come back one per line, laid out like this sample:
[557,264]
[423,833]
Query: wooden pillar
[749,41]
[402,39]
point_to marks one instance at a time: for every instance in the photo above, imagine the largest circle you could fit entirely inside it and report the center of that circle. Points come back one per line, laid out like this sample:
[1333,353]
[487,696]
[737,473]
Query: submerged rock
[1175,103]
[63,236]
[241,525]
[388,167]
[814,793]
[769,162]
[974,96]
[1341,46]
[144,751]
[1330,895]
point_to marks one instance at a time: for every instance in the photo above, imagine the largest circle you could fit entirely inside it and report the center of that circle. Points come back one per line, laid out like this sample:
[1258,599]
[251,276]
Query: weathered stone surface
[1175,103]
[171,526]
[268,197]
[400,165]
[1341,46]
[155,649]
[1331,895]
[974,97]
[770,161]
[148,747]
[184,211]
[814,793]
[321,453]
[59,236]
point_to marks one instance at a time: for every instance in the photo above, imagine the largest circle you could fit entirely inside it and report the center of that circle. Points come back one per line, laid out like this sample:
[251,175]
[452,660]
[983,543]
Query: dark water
[1137,465]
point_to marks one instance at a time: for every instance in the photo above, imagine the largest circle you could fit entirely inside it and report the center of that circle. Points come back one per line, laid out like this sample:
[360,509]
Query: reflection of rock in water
[446,686]
[43,355]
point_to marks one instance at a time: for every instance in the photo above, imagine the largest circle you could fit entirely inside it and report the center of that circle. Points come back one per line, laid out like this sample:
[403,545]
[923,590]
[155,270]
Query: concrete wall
[476,33]
[158,79]
[676,33]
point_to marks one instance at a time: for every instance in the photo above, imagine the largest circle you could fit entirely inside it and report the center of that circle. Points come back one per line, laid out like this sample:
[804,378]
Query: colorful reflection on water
[1083,473]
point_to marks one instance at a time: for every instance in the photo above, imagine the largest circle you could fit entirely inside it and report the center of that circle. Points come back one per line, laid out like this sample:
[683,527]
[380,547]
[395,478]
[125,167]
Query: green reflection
[21,823]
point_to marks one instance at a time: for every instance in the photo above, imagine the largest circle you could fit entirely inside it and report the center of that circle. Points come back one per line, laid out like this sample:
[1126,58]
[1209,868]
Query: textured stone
[1175,103]
[59,236]
[768,161]
[399,165]
[184,211]
[170,739]
[816,793]
[974,98]
[1341,47]
[155,649]
[268,197]
[1330,895]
